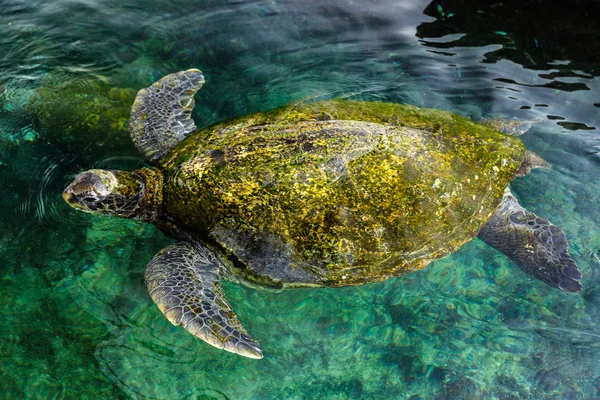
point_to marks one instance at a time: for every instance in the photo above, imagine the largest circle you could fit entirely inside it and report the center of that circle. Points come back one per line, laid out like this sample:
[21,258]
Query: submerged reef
[88,109]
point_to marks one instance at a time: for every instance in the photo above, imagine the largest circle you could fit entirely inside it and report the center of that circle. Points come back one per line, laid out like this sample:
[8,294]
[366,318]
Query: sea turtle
[325,193]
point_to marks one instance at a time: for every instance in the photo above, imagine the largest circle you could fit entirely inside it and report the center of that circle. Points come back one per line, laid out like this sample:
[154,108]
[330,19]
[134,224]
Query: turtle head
[110,192]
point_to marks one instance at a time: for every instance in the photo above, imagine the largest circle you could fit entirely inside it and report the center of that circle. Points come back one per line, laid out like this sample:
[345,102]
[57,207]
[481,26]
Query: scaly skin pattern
[184,281]
[338,193]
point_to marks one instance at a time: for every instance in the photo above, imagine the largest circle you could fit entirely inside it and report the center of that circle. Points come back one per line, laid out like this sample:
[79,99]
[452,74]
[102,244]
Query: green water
[77,322]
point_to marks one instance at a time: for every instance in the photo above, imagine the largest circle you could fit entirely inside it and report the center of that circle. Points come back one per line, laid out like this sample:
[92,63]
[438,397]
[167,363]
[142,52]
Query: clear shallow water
[76,319]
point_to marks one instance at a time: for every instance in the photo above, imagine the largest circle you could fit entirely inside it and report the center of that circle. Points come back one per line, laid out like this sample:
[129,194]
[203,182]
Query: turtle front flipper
[161,115]
[184,282]
[533,243]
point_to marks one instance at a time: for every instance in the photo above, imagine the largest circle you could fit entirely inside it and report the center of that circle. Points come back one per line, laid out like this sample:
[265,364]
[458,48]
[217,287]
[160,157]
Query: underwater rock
[86,109]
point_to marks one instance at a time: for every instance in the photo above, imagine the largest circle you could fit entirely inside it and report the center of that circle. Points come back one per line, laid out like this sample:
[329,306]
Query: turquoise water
[76,319]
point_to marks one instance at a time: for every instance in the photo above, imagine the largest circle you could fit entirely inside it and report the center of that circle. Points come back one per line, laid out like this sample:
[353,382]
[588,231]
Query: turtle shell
[338,192]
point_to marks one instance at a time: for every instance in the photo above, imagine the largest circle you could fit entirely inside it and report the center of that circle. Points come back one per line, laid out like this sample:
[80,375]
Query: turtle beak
[68,196]
[84,190]
[72,197]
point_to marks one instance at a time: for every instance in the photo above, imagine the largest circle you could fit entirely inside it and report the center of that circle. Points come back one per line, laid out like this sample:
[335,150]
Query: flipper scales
[184,282]
[161,115]
[539,248]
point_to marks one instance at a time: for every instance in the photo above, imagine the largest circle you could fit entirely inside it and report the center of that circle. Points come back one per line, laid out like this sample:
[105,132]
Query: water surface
[76,319]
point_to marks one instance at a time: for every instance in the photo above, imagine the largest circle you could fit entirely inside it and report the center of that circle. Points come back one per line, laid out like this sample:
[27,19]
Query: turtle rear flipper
[533,243]
[161,115]
[512,127]
[184,282]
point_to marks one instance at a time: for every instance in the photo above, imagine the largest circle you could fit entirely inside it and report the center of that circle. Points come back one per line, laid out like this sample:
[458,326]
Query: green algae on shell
[351,191]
